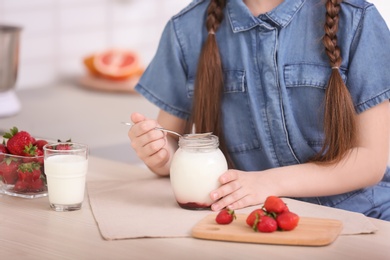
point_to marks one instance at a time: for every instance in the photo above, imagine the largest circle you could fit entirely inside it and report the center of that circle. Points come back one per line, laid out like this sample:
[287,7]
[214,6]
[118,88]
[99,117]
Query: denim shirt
[275,73]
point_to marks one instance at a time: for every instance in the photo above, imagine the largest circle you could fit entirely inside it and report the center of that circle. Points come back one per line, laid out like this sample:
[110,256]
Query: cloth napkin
[146,207]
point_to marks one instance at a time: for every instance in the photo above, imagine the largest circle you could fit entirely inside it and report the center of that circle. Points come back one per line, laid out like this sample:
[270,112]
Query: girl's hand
[239,190]
[150,145]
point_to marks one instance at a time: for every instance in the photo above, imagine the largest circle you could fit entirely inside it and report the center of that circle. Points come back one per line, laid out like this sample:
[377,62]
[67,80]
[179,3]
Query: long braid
[340,117]
[206,109]
[209,78]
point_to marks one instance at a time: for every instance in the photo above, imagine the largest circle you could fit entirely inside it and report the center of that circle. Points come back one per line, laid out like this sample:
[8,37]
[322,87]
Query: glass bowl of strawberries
[21,165]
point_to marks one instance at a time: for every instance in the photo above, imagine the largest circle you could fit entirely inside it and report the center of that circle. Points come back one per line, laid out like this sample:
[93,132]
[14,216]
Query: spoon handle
[127,123]
[168,131]
[157,128]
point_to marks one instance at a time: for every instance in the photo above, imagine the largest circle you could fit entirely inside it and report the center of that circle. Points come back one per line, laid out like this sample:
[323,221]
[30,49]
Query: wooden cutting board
[309,232]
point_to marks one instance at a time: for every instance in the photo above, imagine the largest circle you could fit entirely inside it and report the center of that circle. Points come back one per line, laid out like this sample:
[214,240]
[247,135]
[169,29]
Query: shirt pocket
[234,81]
[237,119]
[305,85]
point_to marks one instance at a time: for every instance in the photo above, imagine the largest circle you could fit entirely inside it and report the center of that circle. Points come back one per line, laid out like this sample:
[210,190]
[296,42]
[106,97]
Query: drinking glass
[66,166]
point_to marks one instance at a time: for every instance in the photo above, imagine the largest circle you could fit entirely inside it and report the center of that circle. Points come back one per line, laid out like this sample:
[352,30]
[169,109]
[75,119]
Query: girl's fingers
[158,159]
[151,148]
[137,117]
[236,191]
[226,195]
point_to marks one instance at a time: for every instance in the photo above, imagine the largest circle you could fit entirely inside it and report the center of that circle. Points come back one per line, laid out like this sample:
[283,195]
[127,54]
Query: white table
[29,229]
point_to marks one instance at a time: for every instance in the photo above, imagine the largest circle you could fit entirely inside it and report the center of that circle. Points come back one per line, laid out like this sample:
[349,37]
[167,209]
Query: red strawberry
[29,171]
[36,173]
[253,217]
[20,186]
[20,143]
[38,158]
[40,144]
[8,169]
[37,185]
[267,224]
[30,176]
[64,145]
[10,177]
[225,216]
[3,150]
[275,204]
[287,220]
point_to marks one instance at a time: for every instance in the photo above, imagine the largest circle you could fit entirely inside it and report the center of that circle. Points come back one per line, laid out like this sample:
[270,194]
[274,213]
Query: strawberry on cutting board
[225,216]
[287,221]
[253,218]
[274,215]
[275,204]
[266,224]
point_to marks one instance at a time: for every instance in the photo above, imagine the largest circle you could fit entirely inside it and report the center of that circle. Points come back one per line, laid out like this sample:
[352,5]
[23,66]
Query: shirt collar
[241,19]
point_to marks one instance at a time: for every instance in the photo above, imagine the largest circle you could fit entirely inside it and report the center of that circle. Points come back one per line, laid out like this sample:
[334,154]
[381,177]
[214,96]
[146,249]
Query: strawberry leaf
[13,131]
[30,149]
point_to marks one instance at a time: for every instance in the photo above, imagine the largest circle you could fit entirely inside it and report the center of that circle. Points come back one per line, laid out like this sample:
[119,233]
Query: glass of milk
[66,166]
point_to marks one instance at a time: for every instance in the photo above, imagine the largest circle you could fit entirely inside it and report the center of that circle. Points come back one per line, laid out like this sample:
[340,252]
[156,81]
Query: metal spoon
[173,132]
[157,128]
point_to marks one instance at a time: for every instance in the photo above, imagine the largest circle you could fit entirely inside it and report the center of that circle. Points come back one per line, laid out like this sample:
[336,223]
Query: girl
[296,90]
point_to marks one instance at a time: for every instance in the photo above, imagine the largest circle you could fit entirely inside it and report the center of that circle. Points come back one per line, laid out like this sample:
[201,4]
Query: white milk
[66,178]
[194,174]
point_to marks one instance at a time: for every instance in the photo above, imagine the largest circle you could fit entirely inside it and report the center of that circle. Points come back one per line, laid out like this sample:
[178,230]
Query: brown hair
[339,118]
[206,108]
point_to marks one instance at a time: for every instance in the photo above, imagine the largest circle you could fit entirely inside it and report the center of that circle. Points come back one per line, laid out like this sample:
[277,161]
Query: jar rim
[205,141]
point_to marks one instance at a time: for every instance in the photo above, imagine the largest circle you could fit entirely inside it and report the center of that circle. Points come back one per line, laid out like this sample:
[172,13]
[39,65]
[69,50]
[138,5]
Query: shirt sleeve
[164,81]
[368,76]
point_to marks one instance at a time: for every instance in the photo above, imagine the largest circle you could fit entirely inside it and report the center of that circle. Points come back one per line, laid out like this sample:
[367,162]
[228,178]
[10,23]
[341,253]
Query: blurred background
[57,34]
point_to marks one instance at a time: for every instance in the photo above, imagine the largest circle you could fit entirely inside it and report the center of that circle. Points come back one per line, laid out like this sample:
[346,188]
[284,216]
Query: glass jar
[195,169]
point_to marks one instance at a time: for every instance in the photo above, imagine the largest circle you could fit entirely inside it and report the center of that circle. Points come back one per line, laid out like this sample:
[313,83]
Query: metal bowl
[9,56]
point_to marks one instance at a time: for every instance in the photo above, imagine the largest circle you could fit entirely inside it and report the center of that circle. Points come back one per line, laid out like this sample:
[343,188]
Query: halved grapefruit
[114,64]
[88,62]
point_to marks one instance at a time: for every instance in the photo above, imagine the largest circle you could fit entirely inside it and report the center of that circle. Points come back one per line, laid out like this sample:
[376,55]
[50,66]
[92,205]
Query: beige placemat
[139,209]
[146,208]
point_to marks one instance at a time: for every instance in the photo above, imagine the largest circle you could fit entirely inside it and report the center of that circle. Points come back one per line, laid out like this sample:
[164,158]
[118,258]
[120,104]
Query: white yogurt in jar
[195,169]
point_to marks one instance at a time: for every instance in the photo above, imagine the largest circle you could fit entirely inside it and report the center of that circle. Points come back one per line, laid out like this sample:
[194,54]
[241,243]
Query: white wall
[384,8]
[57,34]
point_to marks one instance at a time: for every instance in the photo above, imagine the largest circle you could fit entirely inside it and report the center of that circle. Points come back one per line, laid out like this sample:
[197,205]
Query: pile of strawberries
[273,216]
[21,161]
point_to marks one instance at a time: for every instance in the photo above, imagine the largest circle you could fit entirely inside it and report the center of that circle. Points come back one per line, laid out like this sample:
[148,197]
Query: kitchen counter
[68,111]
[29,229]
